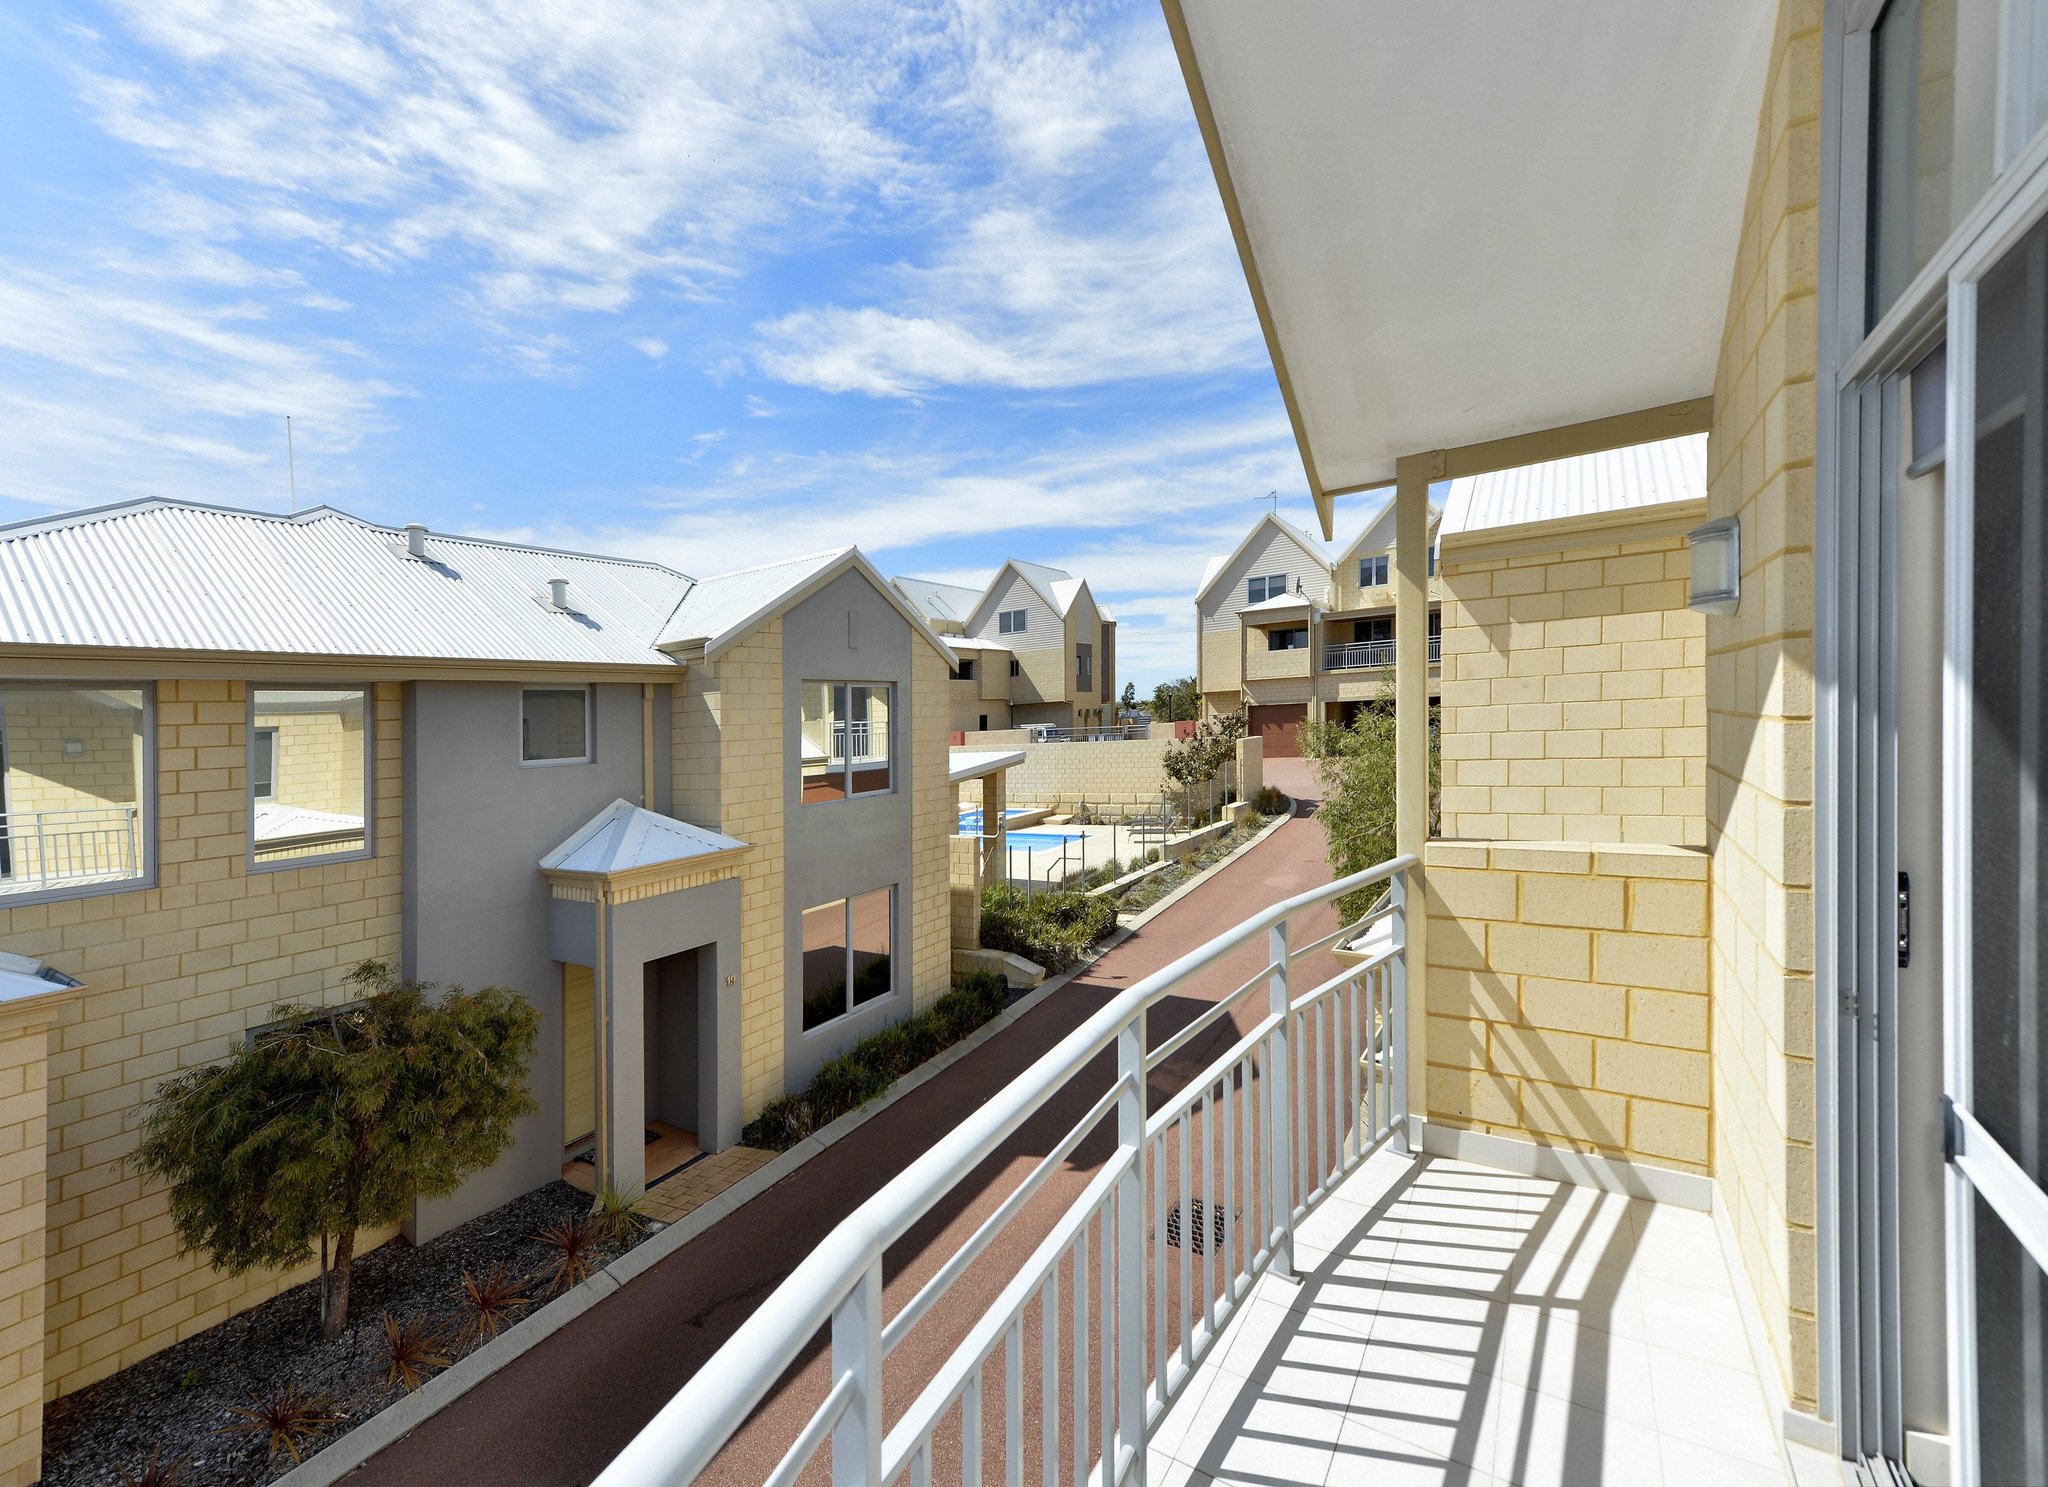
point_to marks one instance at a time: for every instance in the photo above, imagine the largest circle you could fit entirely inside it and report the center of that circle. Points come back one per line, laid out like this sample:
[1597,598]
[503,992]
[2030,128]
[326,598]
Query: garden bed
[178,1402]
[1149,890]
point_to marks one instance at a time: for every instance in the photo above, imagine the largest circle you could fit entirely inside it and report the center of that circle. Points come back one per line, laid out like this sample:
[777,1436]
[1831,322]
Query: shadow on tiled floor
[1459,1326]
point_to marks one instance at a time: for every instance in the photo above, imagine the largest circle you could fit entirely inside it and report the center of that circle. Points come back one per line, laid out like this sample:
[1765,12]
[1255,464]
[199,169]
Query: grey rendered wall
[476,907]
[834,849]
[645,931]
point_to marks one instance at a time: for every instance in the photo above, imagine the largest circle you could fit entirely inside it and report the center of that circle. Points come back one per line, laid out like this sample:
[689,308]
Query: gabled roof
[938,601]
[1613,482]
[1377,535]
[1279,604]
[721,610]
[623,837]
[1217,566]
[174,575]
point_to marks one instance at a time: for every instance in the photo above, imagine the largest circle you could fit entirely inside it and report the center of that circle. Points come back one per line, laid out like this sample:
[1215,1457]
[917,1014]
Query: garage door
[1277,727]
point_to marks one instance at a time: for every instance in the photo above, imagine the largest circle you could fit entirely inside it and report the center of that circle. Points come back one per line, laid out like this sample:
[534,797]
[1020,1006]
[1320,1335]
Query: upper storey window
[554,725]
[1372,572]
[309,774]
[1012,621]
[1258,590]
[846,737]
[74,809]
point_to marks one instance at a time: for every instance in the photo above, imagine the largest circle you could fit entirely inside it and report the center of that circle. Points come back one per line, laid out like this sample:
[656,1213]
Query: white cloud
[650,347]
[567,153]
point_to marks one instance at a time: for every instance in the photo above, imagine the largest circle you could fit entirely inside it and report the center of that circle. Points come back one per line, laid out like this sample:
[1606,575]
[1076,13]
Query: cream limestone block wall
[934,825]
[1567,997]
[173,976]
[727,747]
[1222,669]
[319,759]
[1574,696]
[1760,713]
[24,1051]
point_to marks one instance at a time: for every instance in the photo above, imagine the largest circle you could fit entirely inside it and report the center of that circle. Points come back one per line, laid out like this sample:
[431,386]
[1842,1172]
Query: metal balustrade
[41,848]
[1220,1170]
[1361,653]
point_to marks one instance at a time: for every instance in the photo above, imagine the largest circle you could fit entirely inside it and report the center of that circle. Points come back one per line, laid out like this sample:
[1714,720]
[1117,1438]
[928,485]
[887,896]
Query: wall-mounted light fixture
[73,747]
[1716,566]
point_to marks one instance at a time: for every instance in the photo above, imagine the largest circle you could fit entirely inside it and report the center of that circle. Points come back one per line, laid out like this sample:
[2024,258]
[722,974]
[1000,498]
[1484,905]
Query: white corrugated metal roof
[1585,485]
[624,836]
[166,575]
[279,821]
[1279,604]
[717,606]
[972,764]
[939,601]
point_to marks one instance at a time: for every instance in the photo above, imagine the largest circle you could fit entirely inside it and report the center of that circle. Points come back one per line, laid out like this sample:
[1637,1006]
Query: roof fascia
[106,662]
[852,558]
[1212,142]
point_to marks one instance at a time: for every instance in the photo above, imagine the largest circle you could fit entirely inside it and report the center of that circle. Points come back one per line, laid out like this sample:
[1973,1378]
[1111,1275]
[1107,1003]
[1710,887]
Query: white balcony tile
[1539,1440]
[1709,1405]
[1687,1464]
[1553,1352]
[1367,1456]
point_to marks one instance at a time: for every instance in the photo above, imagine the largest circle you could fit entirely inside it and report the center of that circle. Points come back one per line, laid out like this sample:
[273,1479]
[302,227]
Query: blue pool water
[970,821]
[1035,839]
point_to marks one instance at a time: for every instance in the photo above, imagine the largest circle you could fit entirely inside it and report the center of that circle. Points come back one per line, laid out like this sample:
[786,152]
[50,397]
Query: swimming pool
[1033,840]
[970,821]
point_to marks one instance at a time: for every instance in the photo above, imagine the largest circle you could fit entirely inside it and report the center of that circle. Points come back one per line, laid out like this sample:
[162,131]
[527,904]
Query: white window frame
[1937,304]
[146,824]
[1013,621]
[589,754]
[319,859]
[1373,572]
[1259,588]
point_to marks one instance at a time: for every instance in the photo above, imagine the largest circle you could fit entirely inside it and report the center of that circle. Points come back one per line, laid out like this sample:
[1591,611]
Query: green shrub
[1271,801]
[878,1061]
[1054,930]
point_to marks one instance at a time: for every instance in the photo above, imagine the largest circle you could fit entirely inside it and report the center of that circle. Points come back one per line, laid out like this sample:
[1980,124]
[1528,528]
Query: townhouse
[701,823]
[1035,648]
[1286,633]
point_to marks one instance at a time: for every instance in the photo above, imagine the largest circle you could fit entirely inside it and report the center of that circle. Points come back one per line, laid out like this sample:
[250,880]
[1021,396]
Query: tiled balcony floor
[1456,1324]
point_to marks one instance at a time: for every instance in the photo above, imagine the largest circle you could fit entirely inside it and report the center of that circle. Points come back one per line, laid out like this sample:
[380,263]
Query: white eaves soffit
[1469,220]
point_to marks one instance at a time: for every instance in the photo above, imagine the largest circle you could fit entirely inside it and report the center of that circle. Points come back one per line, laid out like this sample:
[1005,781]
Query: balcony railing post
[1130,1250]
[857,1353]
[1280,1106]
[1397,1006]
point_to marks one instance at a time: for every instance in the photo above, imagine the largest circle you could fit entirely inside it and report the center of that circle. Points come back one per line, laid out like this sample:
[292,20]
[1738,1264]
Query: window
[982,726]
[1012,621]
[1376,630]
[263,763]
[1372,572]
[845,740]
[1084,666]
[309,774]
[964,672]
[1432,560]
[1015,668]
[554,725]
[846,955]
[1287,640]
[73,807]
[1934,66]
[1258,590]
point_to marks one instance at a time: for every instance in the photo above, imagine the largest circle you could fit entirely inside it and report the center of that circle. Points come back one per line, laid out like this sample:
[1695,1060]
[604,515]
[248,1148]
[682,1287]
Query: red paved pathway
[557,1414]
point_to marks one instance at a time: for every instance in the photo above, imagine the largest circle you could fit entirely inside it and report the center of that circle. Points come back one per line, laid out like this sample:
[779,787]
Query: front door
[1997,1086]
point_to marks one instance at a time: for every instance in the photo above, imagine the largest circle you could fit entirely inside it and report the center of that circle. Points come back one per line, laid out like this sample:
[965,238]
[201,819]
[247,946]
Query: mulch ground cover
[181,1403]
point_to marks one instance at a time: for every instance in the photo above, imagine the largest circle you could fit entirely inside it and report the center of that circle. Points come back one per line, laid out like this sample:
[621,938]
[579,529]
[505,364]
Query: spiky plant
[616,1216]
[289,1417]
[157,1472]
[492,1298]
[416,1349]
[572,1244]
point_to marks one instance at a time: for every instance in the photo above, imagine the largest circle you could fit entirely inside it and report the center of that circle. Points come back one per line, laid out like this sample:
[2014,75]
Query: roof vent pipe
[558,592]
[415,540]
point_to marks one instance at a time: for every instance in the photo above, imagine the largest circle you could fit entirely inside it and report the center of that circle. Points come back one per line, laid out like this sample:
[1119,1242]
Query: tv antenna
[1274,497]
[291,463]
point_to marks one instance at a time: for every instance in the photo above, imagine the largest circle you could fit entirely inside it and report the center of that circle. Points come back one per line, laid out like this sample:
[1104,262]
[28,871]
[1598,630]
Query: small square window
[554,725]
[1271,586]
[1016,669]
[1013,621]
[964,672]
[1372,572]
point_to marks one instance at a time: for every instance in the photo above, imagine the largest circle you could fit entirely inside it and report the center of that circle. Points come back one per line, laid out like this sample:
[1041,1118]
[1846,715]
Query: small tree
[1128,702]
[1201,756]
[1355,765]
[1176,701]
[335,1119]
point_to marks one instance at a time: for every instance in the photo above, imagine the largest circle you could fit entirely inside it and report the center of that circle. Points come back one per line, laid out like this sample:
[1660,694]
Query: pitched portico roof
[625,838]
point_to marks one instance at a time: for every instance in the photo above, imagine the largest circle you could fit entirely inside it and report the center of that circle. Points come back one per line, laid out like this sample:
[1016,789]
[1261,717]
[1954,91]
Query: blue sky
[711,283]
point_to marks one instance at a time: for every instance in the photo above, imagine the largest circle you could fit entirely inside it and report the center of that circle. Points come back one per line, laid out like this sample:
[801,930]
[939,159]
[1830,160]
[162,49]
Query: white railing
[1103,733]
[45,847]
[855,734]
[1359,653]
[1252,1141]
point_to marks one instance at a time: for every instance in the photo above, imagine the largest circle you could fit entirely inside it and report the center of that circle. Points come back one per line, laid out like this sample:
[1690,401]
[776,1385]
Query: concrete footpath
[556,1414]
